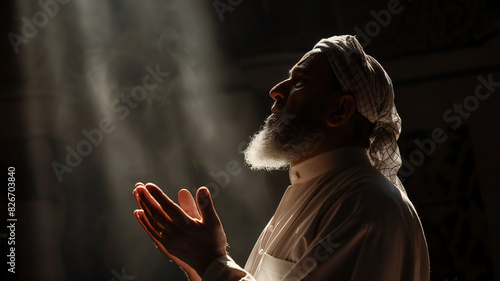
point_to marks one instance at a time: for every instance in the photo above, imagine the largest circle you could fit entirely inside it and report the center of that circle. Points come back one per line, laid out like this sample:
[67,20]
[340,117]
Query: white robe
[340,219]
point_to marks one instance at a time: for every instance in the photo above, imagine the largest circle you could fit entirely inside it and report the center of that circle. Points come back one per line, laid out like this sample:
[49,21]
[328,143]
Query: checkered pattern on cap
[362,76]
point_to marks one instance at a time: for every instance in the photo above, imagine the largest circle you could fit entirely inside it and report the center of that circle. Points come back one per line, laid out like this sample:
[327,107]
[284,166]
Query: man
[345,215]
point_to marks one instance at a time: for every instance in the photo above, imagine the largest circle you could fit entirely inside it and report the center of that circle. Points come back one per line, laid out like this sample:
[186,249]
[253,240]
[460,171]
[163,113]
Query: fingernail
[136,194]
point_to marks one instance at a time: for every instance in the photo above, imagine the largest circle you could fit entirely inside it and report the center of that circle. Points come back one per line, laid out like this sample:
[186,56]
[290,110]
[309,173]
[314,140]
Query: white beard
[264,154]
[284,139]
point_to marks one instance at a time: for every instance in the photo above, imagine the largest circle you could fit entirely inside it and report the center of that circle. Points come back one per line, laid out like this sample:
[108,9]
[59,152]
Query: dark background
[70,72]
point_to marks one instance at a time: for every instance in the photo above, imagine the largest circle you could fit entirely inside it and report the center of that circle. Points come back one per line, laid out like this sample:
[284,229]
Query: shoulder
[367,198]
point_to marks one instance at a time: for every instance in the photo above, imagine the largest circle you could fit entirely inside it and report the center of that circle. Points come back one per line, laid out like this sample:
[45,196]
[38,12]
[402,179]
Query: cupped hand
[191,234]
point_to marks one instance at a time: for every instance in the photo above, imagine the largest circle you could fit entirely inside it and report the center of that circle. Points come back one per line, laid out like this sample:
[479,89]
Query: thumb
[206,207]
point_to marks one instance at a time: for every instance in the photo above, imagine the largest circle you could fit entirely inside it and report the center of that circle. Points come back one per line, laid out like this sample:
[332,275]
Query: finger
[143,220]
[137,197]
[176,214]
[156,212]
[146,210]
[187,203]
[138,184]
[153,234]
[139,214]
[206,206]
[141,217]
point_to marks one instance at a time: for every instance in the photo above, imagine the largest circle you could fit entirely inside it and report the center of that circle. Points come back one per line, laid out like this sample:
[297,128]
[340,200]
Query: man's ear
[344,111]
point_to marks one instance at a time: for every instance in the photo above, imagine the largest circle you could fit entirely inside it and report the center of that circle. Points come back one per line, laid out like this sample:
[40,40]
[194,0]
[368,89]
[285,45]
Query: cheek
[307,103]
[297,101]
[291,108]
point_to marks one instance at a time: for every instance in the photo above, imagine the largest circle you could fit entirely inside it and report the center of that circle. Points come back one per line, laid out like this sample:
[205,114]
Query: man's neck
[316,152]
[319,151]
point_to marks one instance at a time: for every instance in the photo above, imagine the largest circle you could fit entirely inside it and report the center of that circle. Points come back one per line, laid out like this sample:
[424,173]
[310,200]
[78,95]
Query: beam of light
[79,66]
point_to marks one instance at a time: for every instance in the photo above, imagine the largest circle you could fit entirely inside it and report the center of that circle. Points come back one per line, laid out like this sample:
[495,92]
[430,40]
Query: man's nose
[279,91]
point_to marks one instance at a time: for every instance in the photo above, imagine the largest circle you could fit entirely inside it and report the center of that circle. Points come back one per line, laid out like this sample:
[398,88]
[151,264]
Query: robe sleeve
[224,268]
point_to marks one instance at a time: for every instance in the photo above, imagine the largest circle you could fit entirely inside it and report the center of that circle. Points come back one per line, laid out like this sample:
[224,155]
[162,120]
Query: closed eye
[299,81]
[298,77]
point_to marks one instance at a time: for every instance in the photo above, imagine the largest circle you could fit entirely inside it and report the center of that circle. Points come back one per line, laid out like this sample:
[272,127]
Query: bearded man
[345,215]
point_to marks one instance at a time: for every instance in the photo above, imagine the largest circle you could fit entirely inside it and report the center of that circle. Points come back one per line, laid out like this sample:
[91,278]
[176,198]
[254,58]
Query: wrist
[202,267]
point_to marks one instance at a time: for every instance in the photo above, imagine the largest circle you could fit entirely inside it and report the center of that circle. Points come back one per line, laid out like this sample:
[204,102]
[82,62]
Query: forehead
[312,54]
[315,64]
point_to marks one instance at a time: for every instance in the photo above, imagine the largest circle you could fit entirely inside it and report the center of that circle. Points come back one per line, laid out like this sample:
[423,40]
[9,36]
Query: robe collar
[325,162]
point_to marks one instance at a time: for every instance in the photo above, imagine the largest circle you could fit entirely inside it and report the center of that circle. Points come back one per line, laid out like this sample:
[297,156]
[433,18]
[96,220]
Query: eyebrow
[300,69]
